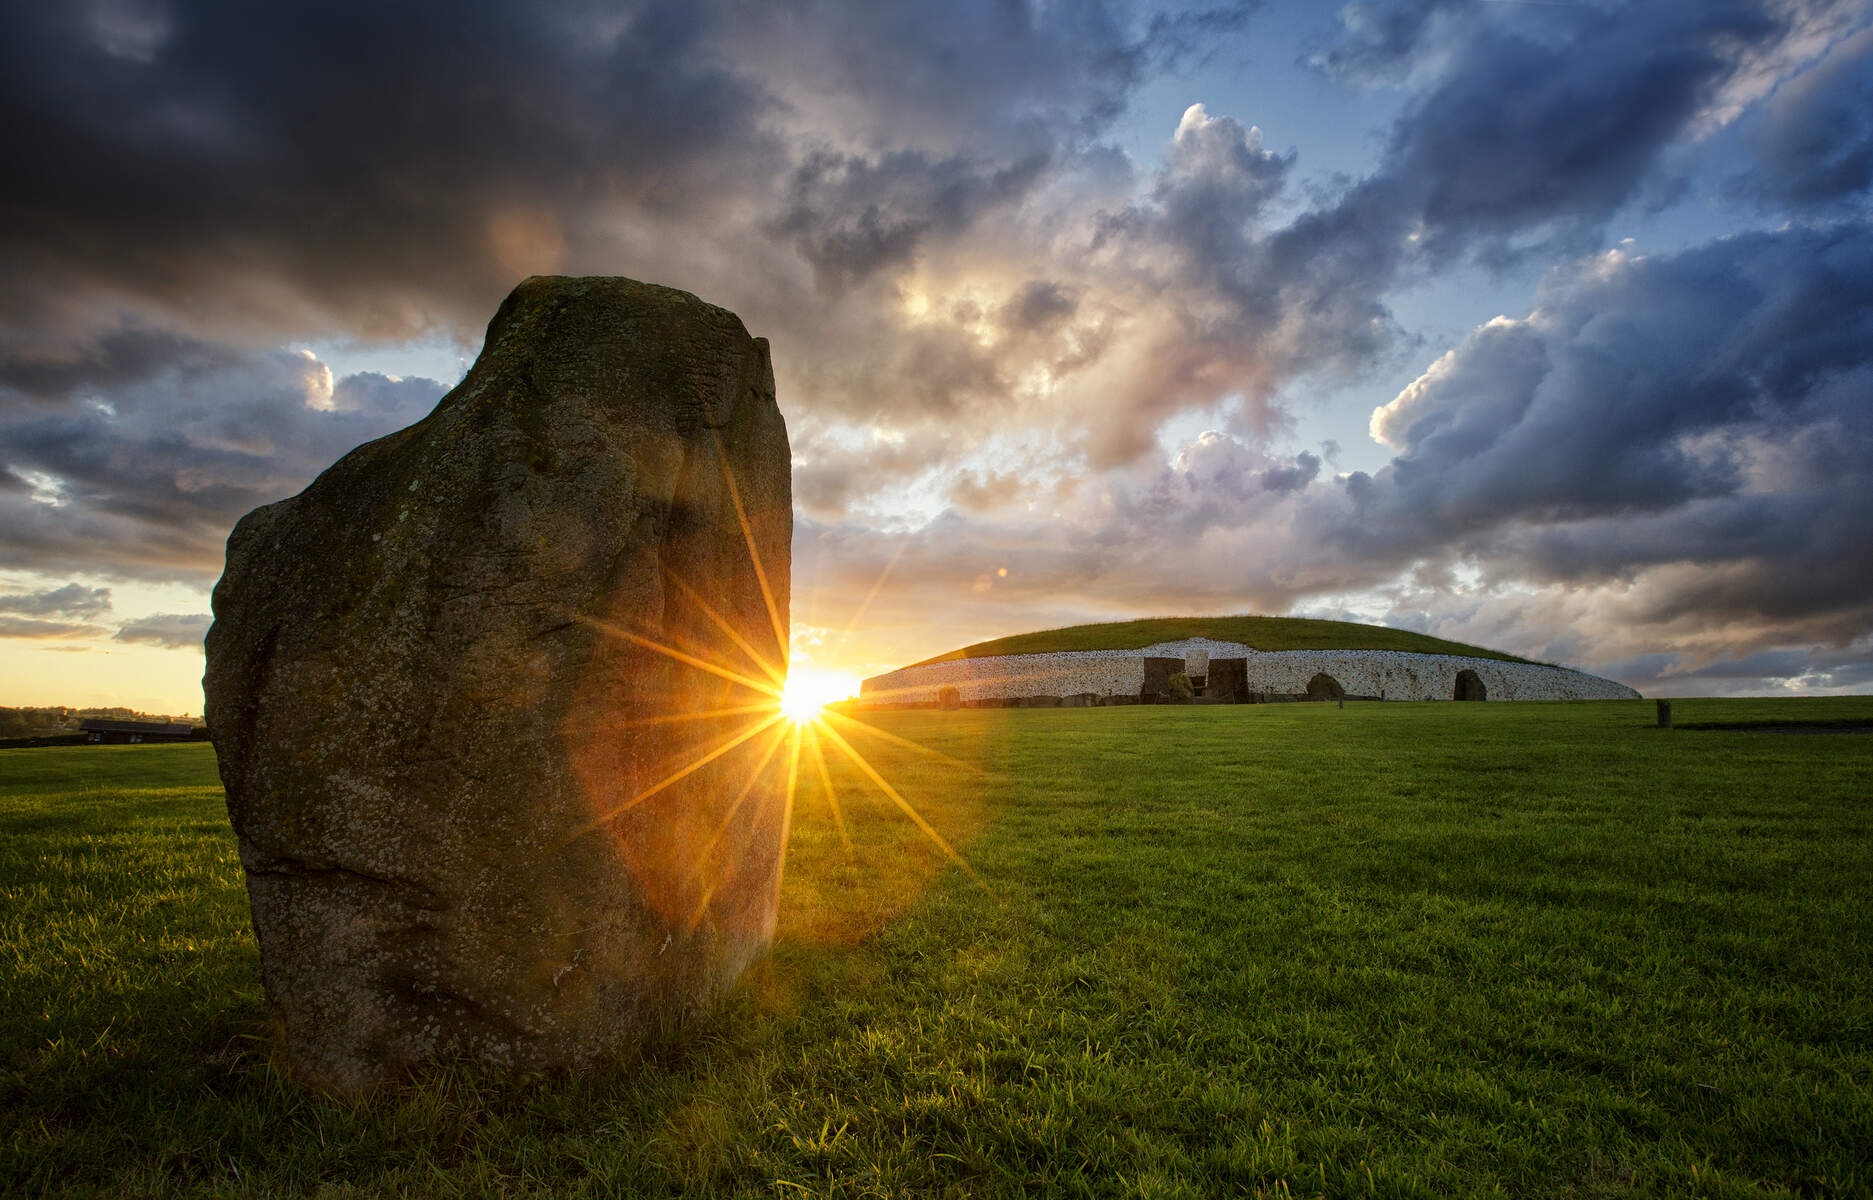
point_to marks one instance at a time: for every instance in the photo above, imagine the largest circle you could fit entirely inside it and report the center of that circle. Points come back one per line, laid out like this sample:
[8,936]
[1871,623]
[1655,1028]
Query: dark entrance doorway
[1469,687]
[1325,687]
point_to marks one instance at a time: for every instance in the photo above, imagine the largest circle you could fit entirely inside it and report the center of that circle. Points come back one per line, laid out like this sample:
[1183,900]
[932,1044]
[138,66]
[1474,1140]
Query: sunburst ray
[701,863]
[754,554]
[686,659]
[874,731]
[773,673]
[905,806]
[675,776]
[832,796]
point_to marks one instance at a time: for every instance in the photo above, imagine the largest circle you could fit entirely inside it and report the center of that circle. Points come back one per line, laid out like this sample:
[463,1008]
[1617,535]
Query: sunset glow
[807,691]
[1069,293]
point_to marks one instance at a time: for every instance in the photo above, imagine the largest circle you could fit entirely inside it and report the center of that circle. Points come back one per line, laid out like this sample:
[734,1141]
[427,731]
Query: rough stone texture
[1228,679]
[432,725]
[1156,679]
[1393,674]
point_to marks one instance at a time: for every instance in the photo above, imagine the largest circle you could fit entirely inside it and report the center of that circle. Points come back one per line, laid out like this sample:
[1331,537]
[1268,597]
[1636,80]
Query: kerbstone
[441,713]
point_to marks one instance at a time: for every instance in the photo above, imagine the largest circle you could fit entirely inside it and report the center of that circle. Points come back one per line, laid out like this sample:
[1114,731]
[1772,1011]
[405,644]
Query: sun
[807,691]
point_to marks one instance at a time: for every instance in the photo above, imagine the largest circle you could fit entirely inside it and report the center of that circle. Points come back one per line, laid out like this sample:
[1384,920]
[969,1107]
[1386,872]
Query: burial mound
[1227,660]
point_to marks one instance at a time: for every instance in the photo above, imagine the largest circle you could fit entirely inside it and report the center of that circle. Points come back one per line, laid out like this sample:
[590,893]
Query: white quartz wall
[1006,677]
[1394,674]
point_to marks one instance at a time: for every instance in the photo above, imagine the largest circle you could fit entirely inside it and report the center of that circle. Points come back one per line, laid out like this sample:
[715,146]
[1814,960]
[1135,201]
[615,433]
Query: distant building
[118,733]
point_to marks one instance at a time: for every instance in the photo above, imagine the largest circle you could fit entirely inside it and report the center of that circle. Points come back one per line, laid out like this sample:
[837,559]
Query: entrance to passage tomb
[1228,681]
[1157,680]
[1469,687]
[1325,687]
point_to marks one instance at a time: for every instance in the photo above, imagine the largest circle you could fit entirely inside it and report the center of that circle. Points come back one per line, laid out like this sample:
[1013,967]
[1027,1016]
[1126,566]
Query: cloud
[1667,451]
[32,627]
[1718,385]
[148,482]
[875,187]
[984,312]
[852,217]
[171,631]
[1813,142]
[301,165]
[1381,43]
[72,600]
[63,612]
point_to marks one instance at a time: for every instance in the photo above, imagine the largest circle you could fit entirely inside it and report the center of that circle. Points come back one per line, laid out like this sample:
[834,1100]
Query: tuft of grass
[1260,633]
[1542,950]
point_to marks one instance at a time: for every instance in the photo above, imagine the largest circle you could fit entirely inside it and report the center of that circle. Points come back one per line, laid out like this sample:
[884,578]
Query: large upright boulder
[446,681]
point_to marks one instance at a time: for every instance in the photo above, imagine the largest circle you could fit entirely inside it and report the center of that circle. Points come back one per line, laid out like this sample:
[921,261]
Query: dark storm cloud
[365,165]
[1532,135]
[114,358]
[1767,671]
[149,483]
[852,217]
[380,169]
[1687,432]
[180,170]
[1535,124]
[1038,306]
[1720,383]
[1814,141]
[171,631]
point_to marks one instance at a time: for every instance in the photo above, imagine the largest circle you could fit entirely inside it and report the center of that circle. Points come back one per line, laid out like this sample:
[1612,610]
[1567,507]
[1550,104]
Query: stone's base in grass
[436,699]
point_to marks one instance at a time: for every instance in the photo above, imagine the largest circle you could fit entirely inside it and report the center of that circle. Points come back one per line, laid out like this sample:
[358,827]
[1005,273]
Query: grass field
[1261,633]
[1282,950]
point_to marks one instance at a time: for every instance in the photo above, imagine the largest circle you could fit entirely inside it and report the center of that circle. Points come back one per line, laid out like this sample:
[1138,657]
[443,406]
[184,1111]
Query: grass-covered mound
[1259,633]
[1404,950]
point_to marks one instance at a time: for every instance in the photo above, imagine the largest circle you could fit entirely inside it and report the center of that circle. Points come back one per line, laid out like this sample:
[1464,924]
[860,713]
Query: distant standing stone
[438,710]
[1664,714]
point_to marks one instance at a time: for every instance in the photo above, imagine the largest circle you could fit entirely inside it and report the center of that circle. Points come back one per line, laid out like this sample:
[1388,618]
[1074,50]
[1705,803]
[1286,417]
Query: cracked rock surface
[442,718]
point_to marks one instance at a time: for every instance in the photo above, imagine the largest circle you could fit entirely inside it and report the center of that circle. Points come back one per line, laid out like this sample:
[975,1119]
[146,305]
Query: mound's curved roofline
[1255,632]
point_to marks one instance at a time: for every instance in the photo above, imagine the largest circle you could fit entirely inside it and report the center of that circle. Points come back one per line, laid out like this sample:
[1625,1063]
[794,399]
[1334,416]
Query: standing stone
[441,717]
[1229,680]
[1157,678]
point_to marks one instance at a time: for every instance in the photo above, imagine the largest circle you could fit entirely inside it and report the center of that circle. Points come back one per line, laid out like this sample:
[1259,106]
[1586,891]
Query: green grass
[1281,950]
[1260,633]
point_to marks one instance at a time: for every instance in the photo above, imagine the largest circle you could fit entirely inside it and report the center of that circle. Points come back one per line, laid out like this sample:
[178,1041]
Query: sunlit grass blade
[894,739]
[700,865]
[793,789]
[832,795]
[905,806]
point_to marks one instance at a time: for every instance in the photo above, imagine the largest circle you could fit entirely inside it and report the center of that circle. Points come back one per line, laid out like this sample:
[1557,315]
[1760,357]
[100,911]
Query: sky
[1546,326]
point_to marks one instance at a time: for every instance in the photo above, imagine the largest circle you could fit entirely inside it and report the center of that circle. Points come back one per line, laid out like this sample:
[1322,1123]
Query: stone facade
[1388,674]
